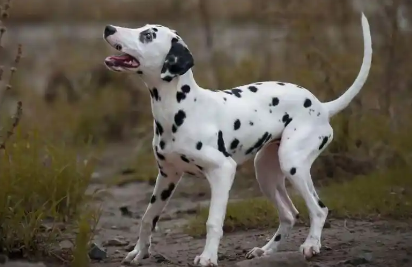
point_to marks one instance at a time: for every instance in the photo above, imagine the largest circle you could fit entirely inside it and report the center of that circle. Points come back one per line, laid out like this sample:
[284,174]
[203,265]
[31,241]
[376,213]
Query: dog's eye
[148,36]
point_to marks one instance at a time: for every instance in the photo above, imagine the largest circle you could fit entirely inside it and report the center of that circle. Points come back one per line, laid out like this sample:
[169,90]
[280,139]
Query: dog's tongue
[122,61]
[122,58]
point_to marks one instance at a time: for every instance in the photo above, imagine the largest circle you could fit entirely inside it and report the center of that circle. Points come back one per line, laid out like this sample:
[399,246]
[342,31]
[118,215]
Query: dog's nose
[109,30]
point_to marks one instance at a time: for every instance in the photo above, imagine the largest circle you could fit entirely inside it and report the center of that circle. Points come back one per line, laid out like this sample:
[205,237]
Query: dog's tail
[343,101]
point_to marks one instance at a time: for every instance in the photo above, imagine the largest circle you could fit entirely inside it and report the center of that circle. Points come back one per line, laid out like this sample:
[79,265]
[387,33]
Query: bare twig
[4,11]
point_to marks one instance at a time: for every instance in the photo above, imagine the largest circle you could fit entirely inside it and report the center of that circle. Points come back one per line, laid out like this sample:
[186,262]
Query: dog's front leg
[166,182]
[221,180]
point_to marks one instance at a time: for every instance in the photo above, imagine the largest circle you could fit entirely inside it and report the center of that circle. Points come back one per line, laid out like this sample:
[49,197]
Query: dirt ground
[345,243]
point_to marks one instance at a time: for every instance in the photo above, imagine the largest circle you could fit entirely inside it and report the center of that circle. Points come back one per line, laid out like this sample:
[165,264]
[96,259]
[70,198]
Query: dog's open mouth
[124,60]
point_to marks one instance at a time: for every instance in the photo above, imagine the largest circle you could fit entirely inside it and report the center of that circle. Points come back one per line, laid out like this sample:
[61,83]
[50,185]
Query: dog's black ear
[177,62]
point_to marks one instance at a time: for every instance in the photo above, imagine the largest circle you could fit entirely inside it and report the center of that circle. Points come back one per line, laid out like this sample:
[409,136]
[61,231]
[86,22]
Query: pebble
[96,252]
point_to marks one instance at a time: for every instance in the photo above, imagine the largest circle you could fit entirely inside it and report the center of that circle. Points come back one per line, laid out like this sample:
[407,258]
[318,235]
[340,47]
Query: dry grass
[43,184]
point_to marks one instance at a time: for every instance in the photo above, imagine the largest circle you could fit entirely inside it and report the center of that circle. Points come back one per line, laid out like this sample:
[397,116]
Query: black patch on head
[236,125]
[234,144]
[180,116]
[320,203]
[307,103]
[183,157]
[293,171]
[139,72]
[281,84]
[174,128]
[277,238]
[275,101]
[236,92]
[153,199]
[155,29]
[156,94]
[253,89]
[155,220]
[286,119]
[259,143]
[199,145]
[167,192]
[221,144]
[162,144]
[324,141]
[159,128]
[177,62]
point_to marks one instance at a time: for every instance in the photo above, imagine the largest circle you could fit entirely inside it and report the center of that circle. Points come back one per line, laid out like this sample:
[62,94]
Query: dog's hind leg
[166,182]
[297,152]
[272,184]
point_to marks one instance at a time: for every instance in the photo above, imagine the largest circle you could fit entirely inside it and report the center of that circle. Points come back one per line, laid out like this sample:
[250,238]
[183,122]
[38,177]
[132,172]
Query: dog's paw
[256,252]
[135,256]
[205,260]
[310,248]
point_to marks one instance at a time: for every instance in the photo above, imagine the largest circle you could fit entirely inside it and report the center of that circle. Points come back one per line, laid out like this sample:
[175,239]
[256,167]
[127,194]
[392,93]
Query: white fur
[210,118]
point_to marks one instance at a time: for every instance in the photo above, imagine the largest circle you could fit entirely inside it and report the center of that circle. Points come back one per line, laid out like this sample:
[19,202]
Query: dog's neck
[165,95]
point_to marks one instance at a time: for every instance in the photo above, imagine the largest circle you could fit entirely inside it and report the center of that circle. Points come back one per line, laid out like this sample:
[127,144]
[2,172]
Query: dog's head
[151,49]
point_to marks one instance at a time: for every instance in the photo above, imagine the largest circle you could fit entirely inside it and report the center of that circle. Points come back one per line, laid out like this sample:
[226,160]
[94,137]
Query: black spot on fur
[153,199]
[275,101]
[155,220]
[180,116]
[186,88]
[277,238]
[307,103]
[167,192]
[154,29]
[236,125]
[183,157]
[224,99]
[259,143]
[286,119]
[199,145]
[162,144]
[281,84]
[199,167]
[251,123]
[236,92]
[162,173]
[253,89]
[293,171]
[156,94]
[228,92]
[324,141]
[159,156]
[180,96]
[174,128]
[234,144]
[320,203]
[154,35]
[221,144]
[159,128]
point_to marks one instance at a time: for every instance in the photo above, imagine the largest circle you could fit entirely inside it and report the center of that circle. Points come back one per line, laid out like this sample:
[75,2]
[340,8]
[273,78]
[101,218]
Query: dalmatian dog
[208,133]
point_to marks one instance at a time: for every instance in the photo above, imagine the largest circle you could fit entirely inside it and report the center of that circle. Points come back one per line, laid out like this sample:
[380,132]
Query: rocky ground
[345,243]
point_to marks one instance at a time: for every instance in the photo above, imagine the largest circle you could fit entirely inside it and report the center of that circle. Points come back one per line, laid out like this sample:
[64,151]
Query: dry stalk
[4,12]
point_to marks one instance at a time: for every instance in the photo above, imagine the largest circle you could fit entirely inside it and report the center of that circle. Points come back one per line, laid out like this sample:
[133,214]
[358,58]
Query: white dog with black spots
[210,132]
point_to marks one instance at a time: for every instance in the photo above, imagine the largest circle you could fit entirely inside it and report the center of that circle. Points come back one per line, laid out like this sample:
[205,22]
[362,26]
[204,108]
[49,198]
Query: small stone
[3,258]
[125,211]
[96,252]
[115,242]
[66,244]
